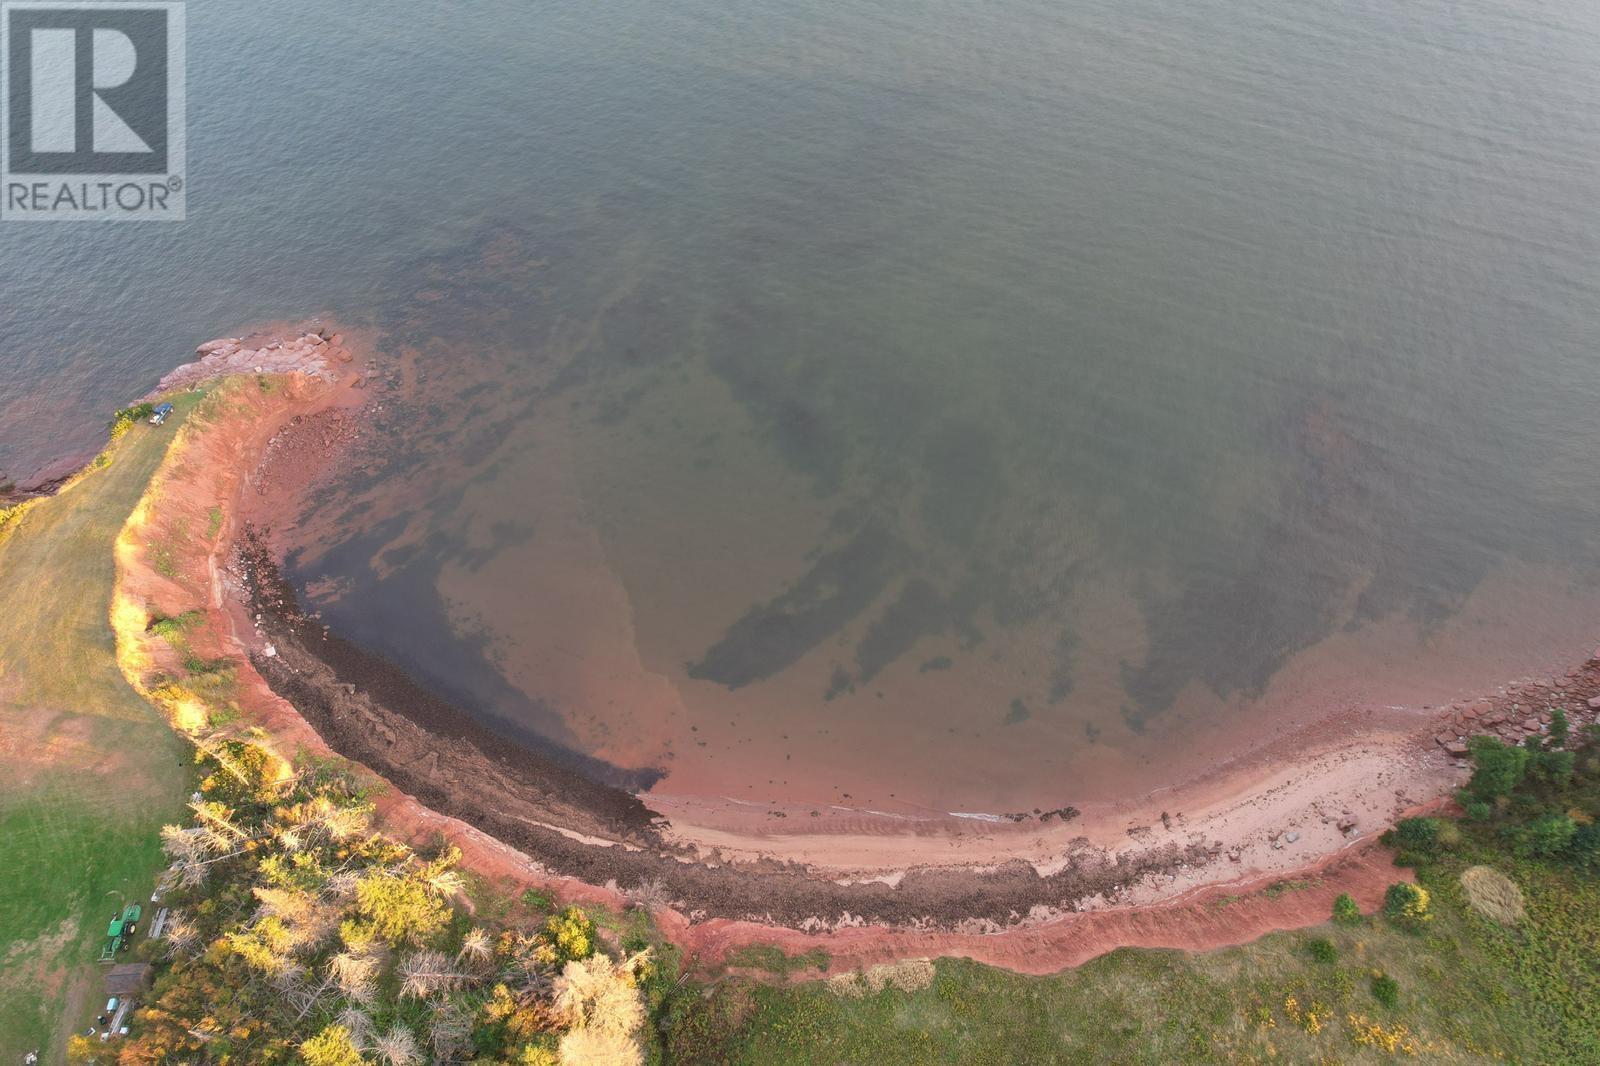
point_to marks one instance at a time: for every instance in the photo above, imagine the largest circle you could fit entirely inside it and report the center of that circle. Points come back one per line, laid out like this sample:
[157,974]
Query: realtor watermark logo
[92,112]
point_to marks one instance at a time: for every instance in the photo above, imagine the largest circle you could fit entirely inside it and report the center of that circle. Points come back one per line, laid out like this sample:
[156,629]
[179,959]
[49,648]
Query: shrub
[1406,905]
[1542,837]
[1395,1039]
[1345,910]
[1560,729]
[1554,766]
[1386,990]
[1584,848]
[1414,834]
[332,1047]
[123,420]
[12,513]
[1321,949]
[599,999]
[174,627]
[1497,768]
[401,909]
[1493,894]
[570,934]
[1417,840]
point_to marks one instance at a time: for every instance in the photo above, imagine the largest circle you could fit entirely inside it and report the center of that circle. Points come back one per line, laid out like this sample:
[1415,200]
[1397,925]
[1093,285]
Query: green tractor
[120,932]
[116,940]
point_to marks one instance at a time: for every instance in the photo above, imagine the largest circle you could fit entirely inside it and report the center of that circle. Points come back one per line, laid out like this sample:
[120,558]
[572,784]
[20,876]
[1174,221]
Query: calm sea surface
[949,396]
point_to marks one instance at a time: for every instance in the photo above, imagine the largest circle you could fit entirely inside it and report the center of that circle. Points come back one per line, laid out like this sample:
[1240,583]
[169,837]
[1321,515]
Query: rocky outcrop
[312,350]
[1524,709]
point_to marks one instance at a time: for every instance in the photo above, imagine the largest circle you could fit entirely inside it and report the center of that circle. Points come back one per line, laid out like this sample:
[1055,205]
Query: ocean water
[930,404]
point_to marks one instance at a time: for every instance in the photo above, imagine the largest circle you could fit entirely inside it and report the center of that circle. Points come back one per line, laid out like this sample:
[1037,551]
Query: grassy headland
[88,770]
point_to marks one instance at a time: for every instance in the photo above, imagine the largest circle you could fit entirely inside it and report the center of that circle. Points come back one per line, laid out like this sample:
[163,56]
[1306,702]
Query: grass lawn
[88,770]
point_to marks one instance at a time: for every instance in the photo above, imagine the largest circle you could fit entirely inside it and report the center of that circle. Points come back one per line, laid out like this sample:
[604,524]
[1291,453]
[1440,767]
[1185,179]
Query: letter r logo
[55,91]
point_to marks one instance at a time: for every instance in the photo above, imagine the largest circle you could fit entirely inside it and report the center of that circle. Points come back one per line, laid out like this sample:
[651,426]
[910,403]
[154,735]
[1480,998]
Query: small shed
[127,979]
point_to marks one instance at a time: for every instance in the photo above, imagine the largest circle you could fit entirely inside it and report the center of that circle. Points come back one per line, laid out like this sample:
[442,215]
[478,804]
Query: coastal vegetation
[304,931]
[125,419]
[301,933]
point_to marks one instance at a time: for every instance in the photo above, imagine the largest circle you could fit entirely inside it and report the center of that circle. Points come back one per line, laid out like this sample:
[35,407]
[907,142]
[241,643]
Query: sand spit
[1257,845]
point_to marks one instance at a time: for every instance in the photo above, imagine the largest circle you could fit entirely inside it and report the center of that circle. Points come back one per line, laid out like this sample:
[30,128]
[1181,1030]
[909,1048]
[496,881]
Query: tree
[194,850]
[398,1047]
[1543,837]
[401,909]
[357,1024]
[332,1047]
[1416,840]
[1555,767]
[1406,905]
[428,973]
[591,1047]
[600,1002]
[449,1031]
[1386,990]
[309,921]
[1345,910]
[1585,846]
[476,948]
[1497,768]
[1559,728]
[1417,834]
[570,934]
[356,974]
[245,773]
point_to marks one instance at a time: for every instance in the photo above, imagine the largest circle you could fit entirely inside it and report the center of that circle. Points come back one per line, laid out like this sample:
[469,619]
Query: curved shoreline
[1309,801]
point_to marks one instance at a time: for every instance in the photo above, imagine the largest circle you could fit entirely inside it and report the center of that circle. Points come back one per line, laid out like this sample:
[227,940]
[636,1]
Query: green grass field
[1461,1000]
[88,770]
[1468,990]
